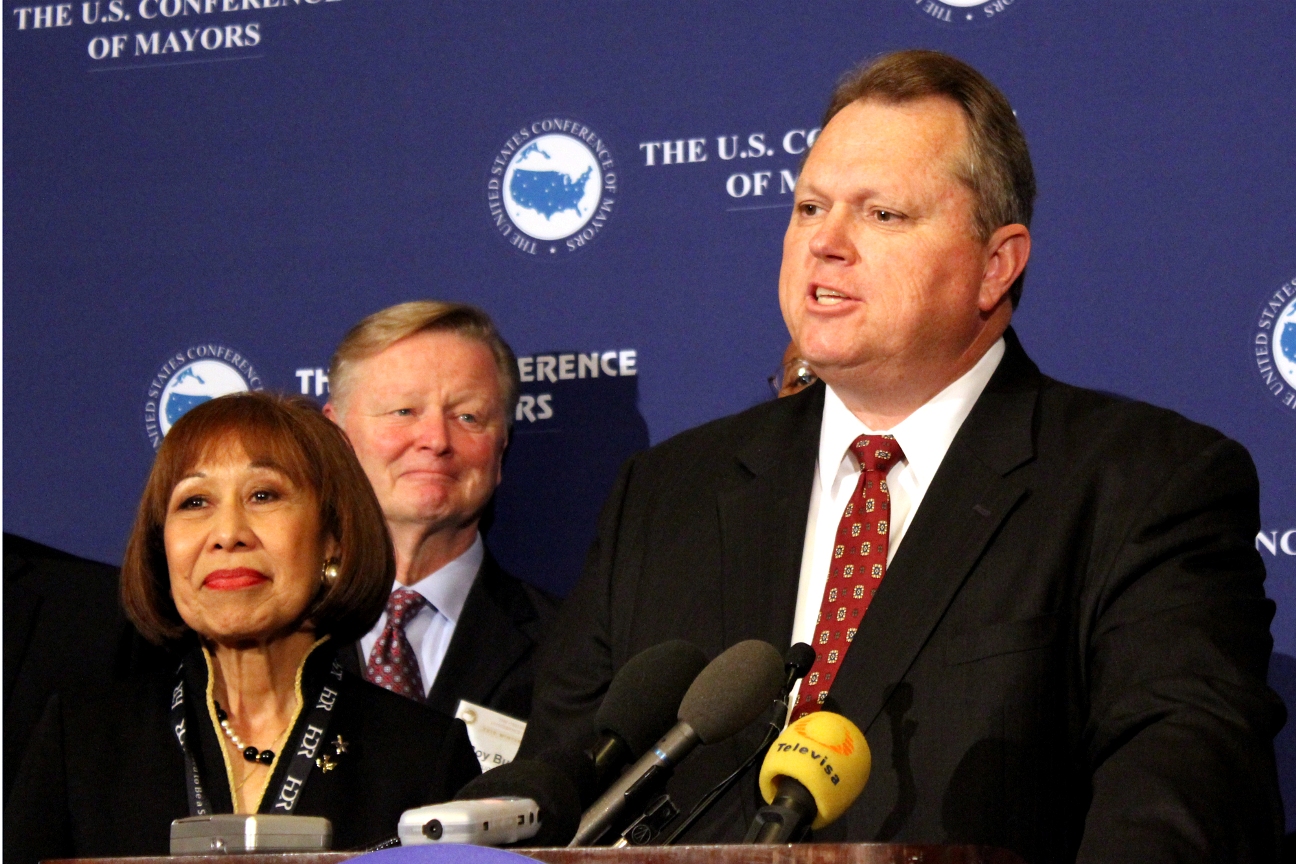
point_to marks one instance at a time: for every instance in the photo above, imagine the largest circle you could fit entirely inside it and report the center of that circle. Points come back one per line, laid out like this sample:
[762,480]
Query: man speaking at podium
[1041,604]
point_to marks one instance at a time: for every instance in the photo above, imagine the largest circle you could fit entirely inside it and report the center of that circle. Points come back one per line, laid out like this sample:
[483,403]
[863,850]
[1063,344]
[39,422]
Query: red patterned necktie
[392,662]
[858,565]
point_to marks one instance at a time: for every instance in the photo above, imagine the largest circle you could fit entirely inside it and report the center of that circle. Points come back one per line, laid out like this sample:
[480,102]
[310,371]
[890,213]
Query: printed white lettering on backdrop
[177,30]
[1273,343]
[961,13]
[757,188]
[193,376]
[1276,543]
[539,369]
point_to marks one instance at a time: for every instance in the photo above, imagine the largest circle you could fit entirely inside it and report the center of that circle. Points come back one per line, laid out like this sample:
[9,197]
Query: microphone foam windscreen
[825,752]
[733,690]
[556,794]
[644,696]
[799,658]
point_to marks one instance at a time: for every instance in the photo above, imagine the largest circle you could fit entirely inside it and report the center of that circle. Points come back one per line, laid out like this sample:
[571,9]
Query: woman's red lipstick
[233,580]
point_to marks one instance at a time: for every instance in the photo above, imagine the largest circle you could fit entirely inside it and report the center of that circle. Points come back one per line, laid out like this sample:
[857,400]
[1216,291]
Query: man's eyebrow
[853,196]
[804,185]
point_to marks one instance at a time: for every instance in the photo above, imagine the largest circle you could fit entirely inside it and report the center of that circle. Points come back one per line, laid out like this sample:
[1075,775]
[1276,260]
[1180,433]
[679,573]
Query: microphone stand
[708,801]
[797,662]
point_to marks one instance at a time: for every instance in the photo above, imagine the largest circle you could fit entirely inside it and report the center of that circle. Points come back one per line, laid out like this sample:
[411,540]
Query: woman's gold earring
[332,569]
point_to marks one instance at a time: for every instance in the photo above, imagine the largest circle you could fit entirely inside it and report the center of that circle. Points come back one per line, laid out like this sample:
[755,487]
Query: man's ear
[1006,253]
[331,412]
[503,456]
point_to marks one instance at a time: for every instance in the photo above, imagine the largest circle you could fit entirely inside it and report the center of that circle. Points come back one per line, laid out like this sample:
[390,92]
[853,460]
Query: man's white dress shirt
[924,436]
[430,631]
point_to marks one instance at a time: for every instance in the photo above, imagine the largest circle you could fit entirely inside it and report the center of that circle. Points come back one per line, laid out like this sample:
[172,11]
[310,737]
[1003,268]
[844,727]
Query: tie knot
[877,452]
[403,604]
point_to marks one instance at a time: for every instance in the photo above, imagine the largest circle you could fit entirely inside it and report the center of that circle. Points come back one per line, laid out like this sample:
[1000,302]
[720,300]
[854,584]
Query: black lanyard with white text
[303,759]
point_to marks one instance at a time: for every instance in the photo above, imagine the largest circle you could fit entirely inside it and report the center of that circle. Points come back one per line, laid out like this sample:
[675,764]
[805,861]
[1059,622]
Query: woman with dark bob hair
[258,549]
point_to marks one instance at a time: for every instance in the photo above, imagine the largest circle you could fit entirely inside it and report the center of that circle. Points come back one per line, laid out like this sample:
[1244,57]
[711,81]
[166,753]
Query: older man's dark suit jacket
[491,658]
[1066,657]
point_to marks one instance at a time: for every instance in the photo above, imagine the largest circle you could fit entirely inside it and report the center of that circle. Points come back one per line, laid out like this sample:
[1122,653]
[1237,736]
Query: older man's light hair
[385,328]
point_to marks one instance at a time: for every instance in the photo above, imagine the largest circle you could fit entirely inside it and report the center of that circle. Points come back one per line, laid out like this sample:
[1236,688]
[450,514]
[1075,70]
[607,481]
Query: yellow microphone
[811,774]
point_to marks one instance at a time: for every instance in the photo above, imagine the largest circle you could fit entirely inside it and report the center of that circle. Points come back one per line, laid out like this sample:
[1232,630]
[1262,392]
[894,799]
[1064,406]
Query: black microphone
[557,780]
[731,692]
[787,818]
[640,706]
[797,661]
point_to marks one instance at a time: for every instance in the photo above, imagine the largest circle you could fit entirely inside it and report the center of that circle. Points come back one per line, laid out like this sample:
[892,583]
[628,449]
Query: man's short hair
[998,166]
[289,434]
[385,328]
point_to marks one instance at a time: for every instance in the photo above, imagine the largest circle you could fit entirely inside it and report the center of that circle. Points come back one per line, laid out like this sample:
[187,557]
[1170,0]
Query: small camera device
[483,822]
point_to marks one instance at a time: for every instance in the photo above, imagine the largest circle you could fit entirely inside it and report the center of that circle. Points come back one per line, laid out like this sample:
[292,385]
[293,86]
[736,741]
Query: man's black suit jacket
[491,658]
[1066,657]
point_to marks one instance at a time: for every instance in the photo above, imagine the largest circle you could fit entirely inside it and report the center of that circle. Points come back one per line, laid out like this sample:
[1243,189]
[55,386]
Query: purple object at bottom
[441,853]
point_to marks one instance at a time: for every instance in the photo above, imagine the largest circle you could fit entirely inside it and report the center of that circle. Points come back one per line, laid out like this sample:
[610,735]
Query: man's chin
[833,360]
[433,514]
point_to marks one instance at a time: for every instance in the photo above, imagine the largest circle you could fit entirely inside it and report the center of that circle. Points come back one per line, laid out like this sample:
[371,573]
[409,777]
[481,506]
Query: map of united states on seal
[547,192]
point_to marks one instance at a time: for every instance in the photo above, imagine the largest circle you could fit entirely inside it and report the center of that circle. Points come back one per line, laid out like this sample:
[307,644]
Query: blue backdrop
[222,187]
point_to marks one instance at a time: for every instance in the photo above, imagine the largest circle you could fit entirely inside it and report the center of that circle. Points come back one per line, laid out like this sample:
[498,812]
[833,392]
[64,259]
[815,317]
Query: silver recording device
[233,833]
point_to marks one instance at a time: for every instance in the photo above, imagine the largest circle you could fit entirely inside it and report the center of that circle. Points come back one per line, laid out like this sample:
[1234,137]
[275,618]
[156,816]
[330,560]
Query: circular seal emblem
[1274,345]
[962,13]
[551,188]
[190,377]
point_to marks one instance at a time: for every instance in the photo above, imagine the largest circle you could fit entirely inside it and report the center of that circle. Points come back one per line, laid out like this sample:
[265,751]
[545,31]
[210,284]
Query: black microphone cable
[797,661]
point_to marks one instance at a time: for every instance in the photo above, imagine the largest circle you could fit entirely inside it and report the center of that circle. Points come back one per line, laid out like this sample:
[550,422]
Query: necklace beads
[250,753]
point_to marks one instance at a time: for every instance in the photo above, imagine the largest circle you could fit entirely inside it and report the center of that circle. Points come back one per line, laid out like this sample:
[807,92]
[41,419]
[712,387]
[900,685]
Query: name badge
[494,736]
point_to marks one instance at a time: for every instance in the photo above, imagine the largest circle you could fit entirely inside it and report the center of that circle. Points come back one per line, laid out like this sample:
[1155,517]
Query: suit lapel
[970,496]
[762,521]
[487,643]
[351,658]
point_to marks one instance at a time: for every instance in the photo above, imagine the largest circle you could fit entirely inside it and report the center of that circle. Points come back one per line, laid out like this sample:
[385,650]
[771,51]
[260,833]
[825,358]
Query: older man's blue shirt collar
[447,588]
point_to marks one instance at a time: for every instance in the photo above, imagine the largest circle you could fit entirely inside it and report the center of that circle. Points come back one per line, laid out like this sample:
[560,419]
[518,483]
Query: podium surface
[798,853]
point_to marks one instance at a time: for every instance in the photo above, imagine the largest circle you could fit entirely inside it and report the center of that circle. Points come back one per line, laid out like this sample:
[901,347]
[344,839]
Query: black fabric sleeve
[459,761]
[37,822]
[1180,721]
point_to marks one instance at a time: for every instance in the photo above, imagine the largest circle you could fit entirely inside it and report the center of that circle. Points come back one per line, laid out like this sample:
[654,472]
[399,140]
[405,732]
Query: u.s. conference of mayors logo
[190,377]
[1274,345]
[962,12]
[552,187]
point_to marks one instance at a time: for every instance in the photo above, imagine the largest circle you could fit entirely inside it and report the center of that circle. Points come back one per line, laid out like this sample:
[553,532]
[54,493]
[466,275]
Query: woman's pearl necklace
[251,754]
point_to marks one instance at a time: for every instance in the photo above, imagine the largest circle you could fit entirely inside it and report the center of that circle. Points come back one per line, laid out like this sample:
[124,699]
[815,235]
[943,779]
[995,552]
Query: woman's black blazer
[105,776]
